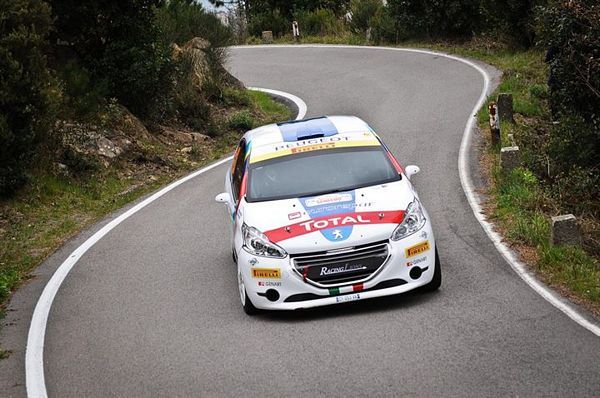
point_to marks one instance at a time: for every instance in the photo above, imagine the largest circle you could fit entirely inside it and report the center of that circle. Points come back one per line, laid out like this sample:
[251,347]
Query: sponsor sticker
[417,249]
[269,283]
[326,199]
[416,261]
[266,273]
[313,148]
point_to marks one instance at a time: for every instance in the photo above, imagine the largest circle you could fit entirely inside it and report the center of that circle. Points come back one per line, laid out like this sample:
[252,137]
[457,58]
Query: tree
[25,87]
[118,43]
[436,18]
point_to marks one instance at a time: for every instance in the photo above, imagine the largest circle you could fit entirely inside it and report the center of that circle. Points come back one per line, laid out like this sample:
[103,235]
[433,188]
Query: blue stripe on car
[302,129]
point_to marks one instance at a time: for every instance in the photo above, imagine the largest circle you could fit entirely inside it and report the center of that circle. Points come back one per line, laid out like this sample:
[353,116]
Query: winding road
[152,308]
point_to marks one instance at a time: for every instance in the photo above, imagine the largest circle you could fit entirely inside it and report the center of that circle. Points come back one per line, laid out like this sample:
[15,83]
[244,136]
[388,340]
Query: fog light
[272,295]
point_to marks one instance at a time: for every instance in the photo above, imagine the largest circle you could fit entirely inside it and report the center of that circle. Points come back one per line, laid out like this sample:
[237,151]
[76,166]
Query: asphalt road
[153,310]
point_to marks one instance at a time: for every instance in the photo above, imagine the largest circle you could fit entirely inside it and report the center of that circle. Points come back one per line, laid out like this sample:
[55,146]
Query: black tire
[436,282]
[234,255]
[249,308]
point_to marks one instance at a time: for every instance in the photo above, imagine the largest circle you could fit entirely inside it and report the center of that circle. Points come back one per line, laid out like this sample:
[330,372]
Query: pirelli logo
[266,273]
[313,147]
[417,249]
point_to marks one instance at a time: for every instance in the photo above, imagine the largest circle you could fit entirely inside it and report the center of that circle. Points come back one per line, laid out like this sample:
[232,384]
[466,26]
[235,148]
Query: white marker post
[295,30]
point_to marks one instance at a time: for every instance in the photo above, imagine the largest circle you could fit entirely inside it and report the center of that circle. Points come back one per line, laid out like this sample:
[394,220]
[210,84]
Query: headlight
[413,221]
[257,243]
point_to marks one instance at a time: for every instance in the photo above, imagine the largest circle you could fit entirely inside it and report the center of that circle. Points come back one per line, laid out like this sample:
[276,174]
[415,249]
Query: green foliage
[363,12]
[182,20]
[319,22]
[384,28]
[436,18]
[236,97]
[514,20]
[8,281]
[574,169]
[118,44]
[269,20]
[27,94]
[242,120]
[571,266]
[189,105]
[571,32]
[82,98]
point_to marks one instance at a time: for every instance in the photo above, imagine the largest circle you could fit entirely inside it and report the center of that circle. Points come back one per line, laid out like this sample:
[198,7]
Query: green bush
[82,97]
[269,20]
[512,20]
[436,18]
[571,33]
[118,43]
[384,28]
[319,22]
[363,12]
[242,120]
[182,20]
[189,105]
[27,94]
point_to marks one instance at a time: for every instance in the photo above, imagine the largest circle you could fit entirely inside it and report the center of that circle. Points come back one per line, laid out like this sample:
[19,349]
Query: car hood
[331,221]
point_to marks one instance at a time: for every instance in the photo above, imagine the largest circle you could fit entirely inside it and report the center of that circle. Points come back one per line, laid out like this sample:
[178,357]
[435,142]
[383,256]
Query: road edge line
[35,382]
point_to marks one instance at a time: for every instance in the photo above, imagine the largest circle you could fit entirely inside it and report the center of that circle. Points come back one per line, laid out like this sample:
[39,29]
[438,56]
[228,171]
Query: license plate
[350,297]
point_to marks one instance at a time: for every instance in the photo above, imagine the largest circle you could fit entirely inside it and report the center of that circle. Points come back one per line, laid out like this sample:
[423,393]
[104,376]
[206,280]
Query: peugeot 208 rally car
[322,213]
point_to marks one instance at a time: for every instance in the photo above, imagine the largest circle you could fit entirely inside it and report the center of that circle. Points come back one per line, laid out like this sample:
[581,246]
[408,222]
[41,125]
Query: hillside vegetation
[102,102]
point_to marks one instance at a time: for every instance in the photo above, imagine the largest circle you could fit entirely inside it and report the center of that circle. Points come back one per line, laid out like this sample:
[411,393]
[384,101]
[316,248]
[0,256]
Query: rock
[565,230]
[107,148]
[510,158]
[267,36]
[183,135]
[193,51]
[197,137]
[505,107]
[187,149]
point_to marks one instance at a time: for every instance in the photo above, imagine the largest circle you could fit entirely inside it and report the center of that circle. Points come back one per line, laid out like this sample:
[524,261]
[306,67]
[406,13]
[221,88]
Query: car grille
[344,266]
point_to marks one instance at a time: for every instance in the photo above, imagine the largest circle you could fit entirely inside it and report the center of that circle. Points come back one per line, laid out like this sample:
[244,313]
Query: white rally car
[322,213]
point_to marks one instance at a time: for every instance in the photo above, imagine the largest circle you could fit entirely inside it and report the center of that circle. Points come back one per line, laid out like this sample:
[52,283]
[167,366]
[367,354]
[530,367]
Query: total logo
[416,261]
[318,225]
[269,283]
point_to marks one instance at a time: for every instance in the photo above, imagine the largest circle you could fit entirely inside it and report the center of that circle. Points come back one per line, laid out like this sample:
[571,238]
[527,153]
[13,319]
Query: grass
[54,207]
[518,203]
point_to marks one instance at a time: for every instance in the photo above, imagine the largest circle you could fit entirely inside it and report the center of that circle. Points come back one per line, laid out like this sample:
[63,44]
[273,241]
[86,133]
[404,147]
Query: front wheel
[436,282]
[249,308]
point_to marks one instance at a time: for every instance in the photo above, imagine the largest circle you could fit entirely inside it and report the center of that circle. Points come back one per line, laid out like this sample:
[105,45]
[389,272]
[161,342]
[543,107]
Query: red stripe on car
[338,220]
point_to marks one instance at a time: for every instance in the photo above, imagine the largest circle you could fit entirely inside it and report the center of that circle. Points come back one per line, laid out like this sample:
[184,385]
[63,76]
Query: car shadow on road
[378,304]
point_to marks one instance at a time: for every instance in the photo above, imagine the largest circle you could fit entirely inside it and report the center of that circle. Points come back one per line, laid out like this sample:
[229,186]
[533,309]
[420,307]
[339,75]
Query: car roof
[325,132]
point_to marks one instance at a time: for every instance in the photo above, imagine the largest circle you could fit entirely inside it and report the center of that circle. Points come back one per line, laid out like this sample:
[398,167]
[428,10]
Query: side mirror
[411,170]
[223,198]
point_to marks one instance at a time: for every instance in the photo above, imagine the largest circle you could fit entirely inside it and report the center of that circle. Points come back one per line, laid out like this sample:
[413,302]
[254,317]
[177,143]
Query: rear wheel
[234,255]
[249,308]
[436,282]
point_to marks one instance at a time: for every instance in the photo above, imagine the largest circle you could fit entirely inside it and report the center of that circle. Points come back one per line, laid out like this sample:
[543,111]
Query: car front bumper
[293,292]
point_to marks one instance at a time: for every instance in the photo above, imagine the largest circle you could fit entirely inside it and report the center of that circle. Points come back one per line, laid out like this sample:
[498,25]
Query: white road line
[34,354]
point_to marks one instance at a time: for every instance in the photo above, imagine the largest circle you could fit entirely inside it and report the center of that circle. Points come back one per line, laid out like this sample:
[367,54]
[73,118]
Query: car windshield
[319,172]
